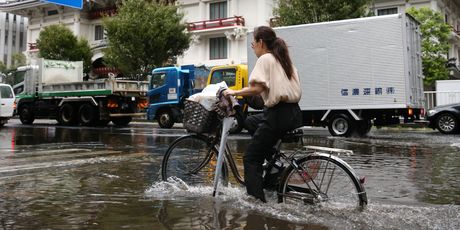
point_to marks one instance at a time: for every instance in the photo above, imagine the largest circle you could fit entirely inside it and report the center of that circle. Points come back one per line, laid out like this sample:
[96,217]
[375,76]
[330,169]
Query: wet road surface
[56,177]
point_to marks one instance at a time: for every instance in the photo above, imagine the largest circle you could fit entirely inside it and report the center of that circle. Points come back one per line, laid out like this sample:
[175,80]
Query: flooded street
[57,177]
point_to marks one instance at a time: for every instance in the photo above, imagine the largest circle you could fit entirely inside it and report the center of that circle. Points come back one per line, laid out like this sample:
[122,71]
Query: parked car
[445,118]
[7,103]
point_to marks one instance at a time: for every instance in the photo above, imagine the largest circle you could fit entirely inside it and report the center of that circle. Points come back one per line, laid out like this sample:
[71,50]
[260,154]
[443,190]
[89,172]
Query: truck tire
[363,127]
[341,125]
[67,114]
[87,115]
[121,121]
[26,115]
[165,119]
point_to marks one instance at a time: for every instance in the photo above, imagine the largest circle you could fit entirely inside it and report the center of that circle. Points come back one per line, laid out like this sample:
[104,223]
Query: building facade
[13,36]
[85,23]
[219,29]
[449,8]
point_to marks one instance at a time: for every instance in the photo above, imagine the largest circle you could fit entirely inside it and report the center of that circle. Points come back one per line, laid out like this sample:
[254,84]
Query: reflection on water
[54,177]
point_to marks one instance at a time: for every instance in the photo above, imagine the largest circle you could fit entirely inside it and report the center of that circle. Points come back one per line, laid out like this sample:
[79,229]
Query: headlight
[431,112]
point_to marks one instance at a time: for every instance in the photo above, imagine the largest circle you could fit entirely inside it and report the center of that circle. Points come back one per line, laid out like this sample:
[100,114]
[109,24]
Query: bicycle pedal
[362,180]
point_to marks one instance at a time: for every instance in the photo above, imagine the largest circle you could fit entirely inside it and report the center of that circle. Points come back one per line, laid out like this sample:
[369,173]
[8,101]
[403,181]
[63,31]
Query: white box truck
[357,72]
[56,89]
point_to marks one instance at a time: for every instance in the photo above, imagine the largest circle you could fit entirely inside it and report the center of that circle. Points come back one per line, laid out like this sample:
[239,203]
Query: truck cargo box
[361,63]
[356,72]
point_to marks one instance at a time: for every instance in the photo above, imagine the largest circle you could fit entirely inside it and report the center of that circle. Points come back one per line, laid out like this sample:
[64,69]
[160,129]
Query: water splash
[375,216]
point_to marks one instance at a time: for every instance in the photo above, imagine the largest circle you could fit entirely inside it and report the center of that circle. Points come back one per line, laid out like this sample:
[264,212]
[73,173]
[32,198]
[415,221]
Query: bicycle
[313,174]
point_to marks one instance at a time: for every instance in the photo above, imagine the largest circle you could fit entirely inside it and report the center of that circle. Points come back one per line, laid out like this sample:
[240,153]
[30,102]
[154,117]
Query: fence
[436,98]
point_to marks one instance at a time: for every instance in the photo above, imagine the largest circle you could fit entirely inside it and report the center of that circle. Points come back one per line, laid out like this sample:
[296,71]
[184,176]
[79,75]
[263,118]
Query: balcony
[216,24]
[33,46]
[99,13]
[98,44]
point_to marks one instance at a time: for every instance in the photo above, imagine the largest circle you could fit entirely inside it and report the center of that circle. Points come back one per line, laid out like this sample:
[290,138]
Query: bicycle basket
[197,119]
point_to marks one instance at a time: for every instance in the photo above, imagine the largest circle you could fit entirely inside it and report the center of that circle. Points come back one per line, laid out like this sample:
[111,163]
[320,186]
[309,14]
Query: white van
[6,103]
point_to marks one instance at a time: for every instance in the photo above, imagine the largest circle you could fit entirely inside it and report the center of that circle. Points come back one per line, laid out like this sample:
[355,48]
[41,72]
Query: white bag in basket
[207,98]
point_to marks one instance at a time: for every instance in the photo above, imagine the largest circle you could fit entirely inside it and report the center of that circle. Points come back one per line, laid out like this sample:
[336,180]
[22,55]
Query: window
[21,40]
[5,92]
[98,32]
[52,12]
[157,80]
[218,48]
[387,11]
[227,75]
[218,10]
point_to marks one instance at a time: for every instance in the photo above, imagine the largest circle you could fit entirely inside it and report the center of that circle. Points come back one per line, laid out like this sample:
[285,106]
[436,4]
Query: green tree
[2,67]
[59,43]
[294,12]
[435,44]
[144,35]
[18,59]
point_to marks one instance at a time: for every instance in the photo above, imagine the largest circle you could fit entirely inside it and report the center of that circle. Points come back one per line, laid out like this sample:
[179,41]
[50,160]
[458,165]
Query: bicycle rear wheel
[192,159]
[324,180]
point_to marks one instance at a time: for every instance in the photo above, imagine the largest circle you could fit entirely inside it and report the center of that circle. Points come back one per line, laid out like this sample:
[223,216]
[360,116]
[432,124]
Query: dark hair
[276,46]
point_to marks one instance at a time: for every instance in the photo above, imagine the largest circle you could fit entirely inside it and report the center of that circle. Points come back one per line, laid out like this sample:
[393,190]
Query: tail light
[112,104]
[142,104]
[410,112]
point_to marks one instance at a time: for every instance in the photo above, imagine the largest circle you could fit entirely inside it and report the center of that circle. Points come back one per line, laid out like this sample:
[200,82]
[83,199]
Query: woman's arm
[255,89]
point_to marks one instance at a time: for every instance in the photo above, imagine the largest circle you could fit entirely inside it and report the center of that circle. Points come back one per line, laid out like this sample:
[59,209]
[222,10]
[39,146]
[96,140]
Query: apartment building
[449,8]
[13,35]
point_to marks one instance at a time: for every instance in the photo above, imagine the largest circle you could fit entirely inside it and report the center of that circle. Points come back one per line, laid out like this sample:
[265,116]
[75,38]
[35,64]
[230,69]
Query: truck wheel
[165,119]
[87,115]
[447,123]
[26,115]
[121,121]
[341,125]
[67,115]
[363,127]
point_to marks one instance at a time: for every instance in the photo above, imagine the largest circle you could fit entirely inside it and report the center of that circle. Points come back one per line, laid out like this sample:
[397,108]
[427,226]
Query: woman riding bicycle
[275,79]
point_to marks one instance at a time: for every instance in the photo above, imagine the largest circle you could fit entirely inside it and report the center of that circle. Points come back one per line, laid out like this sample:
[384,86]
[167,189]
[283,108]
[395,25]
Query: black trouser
[266,128]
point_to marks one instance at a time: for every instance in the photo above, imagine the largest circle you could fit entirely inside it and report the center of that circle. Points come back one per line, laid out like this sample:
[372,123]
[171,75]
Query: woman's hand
[229,92]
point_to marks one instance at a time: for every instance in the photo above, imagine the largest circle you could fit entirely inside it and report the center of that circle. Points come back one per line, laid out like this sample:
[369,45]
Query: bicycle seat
[292,136]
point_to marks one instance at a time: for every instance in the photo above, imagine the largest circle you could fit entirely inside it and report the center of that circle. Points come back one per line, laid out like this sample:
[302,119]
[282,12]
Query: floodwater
[54,177]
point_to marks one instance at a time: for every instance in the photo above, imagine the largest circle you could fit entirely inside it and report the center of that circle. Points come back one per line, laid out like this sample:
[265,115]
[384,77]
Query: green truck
[55,89]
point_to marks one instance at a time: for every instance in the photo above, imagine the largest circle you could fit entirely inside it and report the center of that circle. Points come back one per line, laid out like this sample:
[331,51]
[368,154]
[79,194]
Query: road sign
[70,3]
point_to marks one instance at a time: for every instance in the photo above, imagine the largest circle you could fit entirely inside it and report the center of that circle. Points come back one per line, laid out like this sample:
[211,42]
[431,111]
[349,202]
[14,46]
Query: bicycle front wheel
[324,180]
[192,159]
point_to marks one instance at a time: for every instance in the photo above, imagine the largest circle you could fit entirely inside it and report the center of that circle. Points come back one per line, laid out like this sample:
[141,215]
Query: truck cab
[235,76]
[168,88]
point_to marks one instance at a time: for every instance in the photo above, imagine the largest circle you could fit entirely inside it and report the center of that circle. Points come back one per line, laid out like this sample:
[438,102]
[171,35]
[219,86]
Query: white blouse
[269,72]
